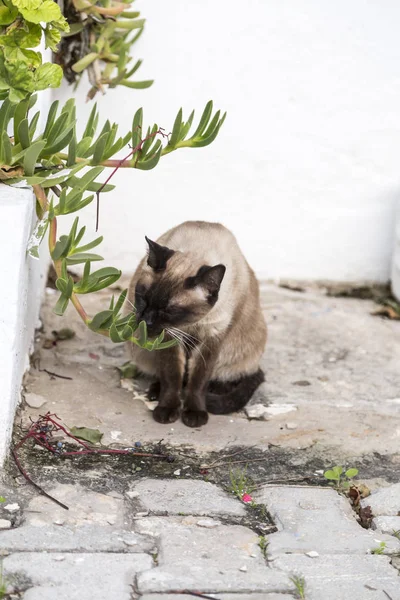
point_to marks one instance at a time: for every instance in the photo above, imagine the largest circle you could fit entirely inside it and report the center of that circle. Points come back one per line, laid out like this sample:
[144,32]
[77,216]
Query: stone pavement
[148,530]
[166,536]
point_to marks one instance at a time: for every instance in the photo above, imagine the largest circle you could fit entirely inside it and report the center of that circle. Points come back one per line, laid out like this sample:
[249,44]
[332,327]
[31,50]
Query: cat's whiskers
[189,339]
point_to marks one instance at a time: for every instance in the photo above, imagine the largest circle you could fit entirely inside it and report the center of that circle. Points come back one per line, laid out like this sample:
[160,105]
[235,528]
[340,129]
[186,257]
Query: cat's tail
[237,398]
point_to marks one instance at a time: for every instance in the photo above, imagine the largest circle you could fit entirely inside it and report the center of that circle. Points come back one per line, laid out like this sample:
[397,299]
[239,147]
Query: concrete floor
[332,381]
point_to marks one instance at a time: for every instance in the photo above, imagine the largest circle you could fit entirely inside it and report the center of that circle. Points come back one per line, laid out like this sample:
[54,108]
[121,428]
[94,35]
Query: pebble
[208,523]
[291,425]
[132,495]
[256,411]
[177,472]
[142,514]
[34,400]
[12,508]
[243,569]
[58,558]
[59,522]
[4,524]
[130,542]
[115,435]
[312,554]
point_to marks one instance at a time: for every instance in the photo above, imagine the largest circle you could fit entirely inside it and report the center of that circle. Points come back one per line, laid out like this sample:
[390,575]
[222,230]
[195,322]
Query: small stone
[132,495]
[12,508]
[279,409]
[138,444]
[291,425]
[35,400]
[177,472]
[301,383]
[4,524]
[115,435]
[256,411]
[312,554]
[59,522]
[208,523]
[38,447]
[142,514]
[59,558]
[130,542]
[243,569]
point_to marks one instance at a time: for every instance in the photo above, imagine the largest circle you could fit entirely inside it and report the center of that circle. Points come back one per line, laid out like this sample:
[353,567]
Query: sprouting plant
[3,585]
[263,545]
[2,499]
[300,584]
[380,549]
[396,533]
[339,477]
[241,485]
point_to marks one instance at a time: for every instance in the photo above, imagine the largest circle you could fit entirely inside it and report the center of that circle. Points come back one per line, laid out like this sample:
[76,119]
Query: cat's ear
[158,256]
[209,278]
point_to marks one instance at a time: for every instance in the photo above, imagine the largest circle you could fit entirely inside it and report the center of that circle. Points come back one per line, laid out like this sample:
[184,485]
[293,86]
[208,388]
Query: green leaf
[350,473]
[101,320]
[77,259]
[99,148]
[137,128]
[137,85]
[141,333]
[114,334]
[50,118]
[23,134]
[338,470]
[176,129]
[87,60]
[52,37]
[146,165]
[25,35]
[128,370]
[6,149]
[90,245]
[93,436]
[92,123]
[205,117]
[8,15]
[62,247]
[45,12]
[31,156]
[61,305]
[331,475]
[120,302]
[48,75]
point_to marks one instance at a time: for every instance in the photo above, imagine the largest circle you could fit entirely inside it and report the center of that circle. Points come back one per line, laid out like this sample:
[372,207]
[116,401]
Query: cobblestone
[385,501]
[301,514]
[189,497]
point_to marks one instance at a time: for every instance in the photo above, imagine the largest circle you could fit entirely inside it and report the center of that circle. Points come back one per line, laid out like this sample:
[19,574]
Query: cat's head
[173,291]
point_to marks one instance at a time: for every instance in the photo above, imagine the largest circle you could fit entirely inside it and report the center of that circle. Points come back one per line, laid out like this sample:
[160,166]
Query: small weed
[241,484]
[300,584]
[3,585]
[380,549]
[396,533]
[340,478]
[2,499]
[263,544]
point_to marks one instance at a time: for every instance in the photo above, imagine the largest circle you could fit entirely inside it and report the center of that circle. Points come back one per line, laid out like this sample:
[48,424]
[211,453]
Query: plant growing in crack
[300,586]
[263,544]
[241,485]
[340,478]
[380,549]
[396,533]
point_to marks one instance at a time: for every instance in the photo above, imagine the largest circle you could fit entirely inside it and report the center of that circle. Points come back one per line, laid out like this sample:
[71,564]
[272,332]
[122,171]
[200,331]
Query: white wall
[22,281]
[306,168]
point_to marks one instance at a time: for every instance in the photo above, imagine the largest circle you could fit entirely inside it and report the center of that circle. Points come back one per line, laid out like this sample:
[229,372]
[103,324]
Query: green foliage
[2,499]
[241,483]
[300,586]
[22,25]
[341,478]
[104,31]
[380,549]
[263,545]
[52,161]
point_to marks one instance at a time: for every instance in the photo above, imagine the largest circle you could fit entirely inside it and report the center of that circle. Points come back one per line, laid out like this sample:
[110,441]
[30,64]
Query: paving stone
[385,501]
[89,538]
[5,524]
[78,577]
[386,524]
[189,497]
[193,558]
[301,514]
[85,507]
[334,577]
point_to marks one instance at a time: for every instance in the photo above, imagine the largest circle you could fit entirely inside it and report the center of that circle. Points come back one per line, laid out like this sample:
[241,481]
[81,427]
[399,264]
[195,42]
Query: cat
[196,285]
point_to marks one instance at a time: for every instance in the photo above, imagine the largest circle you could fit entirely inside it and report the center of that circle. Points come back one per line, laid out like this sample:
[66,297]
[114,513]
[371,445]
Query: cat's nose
[149,318]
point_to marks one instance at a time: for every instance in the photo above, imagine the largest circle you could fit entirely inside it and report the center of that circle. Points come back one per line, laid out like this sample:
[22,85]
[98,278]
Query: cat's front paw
[163,414]
[194,418]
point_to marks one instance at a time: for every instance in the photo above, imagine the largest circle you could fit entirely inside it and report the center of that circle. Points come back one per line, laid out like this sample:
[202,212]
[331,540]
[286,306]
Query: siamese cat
[196,285]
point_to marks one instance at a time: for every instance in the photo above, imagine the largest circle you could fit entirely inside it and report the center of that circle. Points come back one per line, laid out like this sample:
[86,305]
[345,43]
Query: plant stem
[57,266]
